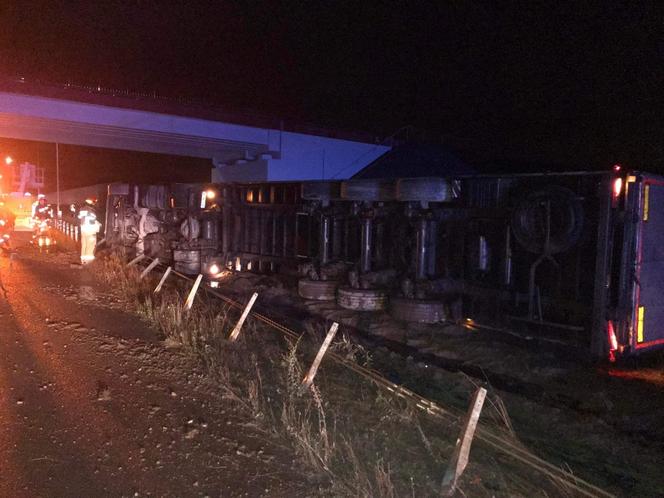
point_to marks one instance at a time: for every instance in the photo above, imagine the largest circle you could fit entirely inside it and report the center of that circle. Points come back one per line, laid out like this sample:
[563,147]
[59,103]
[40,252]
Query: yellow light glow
[214,268]
[9,160]
[210,194]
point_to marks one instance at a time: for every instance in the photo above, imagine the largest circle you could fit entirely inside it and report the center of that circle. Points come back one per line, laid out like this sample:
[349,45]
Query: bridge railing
[69,227]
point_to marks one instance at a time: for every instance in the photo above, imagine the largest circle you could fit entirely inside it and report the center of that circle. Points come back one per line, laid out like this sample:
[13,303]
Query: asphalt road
[93,404]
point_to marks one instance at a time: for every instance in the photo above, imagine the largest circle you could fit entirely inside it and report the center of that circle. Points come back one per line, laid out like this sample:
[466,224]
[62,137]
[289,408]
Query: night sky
[565,83]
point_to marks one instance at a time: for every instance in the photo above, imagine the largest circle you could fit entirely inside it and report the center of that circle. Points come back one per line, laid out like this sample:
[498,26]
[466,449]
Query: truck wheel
[318,290]
[423,189]
[362,299]
[529,223]
[417,310]
[368,190]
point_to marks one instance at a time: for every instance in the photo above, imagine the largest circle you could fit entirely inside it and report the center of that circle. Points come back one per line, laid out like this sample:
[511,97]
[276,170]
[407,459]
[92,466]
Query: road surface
[93,404]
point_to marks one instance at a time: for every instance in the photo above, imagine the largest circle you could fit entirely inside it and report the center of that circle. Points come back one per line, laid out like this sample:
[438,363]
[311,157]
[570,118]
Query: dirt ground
[93,404]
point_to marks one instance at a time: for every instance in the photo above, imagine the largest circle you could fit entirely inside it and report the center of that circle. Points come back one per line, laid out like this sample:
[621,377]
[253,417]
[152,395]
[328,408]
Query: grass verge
[351,438]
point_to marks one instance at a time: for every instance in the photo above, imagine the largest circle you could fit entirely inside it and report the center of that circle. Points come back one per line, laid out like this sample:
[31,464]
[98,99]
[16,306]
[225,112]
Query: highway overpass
[237,150]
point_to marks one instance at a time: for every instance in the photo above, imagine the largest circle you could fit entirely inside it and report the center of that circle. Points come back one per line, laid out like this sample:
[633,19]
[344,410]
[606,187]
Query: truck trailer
[576,257]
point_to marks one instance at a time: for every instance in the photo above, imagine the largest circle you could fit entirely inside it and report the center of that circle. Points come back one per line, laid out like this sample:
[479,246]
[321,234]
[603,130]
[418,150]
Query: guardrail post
[163,279]
[149,268]
[238,326]
[459,458]
[309,378]
[192,293]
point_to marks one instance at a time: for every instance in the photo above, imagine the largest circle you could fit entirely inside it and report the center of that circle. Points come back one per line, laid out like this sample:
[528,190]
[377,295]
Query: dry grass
[351,438]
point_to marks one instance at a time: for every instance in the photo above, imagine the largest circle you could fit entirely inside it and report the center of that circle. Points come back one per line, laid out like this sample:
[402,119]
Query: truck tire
[362,299]
[529,220]
[423,189]
[417,310]
[368,190]
[317,290]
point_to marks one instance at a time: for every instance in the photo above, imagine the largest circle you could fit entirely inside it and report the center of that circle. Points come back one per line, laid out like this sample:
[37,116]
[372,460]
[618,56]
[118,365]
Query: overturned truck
[576,256]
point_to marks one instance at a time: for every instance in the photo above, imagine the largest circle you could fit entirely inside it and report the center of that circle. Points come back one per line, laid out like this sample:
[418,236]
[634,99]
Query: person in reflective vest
[41,210]
[35,204]
[89,229]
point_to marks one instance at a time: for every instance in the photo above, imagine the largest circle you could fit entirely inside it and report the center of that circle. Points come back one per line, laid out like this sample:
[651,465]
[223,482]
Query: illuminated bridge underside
[115,137]
[238,152]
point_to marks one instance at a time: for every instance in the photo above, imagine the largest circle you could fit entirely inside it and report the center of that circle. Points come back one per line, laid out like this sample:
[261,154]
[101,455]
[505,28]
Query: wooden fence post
[149,268]
[163,279]
[459,458]
[192,293]
[238,326]
[309,378]
[136,260]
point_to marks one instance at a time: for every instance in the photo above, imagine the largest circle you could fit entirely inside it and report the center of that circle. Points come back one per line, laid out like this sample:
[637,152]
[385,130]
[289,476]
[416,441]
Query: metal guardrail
[68,228]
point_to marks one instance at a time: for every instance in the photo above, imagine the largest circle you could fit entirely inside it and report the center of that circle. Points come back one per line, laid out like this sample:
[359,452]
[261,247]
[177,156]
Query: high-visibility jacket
[89,223]
[39,211]
[43,212]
